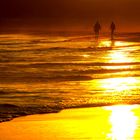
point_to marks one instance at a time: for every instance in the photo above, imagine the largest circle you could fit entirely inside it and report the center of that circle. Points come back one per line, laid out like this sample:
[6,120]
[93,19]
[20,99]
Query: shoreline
[10,112]
[110,122]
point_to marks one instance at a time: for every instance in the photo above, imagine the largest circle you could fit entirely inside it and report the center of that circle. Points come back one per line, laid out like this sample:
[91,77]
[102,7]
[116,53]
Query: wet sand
[98,123]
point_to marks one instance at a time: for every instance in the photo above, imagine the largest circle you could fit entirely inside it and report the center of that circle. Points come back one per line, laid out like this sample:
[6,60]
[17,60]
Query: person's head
[113,23]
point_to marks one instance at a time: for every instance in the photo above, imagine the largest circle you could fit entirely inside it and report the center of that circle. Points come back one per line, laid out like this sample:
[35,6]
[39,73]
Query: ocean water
[41,70]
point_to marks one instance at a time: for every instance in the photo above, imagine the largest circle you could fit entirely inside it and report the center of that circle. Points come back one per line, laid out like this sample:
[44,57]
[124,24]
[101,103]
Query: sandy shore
[98,123]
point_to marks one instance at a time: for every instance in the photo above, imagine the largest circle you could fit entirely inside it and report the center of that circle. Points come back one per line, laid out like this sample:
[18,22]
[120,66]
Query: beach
[69,70]
[43,74]
[119,122]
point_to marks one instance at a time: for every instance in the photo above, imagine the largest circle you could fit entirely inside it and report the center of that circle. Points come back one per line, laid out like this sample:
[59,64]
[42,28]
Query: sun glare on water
[119,84]
[118,57]
[121,43]
[105,43]
[108,43]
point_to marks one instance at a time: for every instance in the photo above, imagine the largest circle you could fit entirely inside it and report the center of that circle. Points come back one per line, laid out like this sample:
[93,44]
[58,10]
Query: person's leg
[112,35]
[97,35]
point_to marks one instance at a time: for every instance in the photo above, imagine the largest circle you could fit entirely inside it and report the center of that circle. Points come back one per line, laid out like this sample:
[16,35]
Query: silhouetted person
[112,27]
[97,28]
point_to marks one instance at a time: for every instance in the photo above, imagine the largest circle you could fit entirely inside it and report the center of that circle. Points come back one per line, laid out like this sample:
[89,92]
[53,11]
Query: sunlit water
[98,123]
[69,71]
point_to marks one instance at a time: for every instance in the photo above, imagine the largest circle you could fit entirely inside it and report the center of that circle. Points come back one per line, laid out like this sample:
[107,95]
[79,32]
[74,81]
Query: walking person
[113,28]
[97,28]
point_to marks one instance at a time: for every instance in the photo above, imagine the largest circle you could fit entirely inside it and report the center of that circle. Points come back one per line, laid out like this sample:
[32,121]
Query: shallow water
[69,71]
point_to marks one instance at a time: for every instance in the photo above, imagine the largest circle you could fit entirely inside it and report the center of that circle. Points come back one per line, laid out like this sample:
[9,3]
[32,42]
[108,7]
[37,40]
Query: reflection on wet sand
[112,123]
[123,121]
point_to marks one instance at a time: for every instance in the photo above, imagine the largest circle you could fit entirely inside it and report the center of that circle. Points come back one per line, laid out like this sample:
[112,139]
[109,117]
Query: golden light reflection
[108,43]
[123,121]
[99,123]
[122,43]
[118,57]
[86,55]
[105,44]
[119,84]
